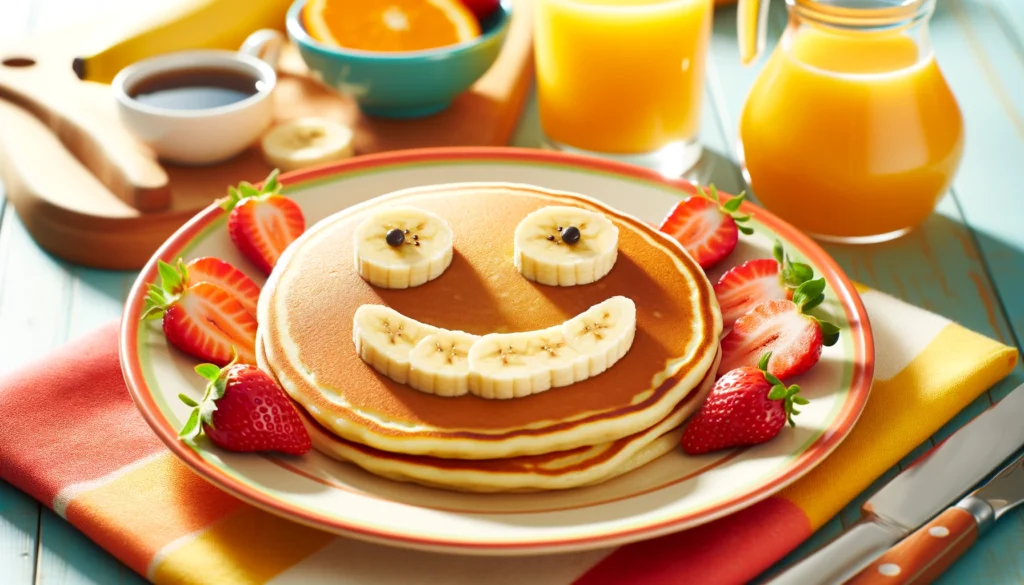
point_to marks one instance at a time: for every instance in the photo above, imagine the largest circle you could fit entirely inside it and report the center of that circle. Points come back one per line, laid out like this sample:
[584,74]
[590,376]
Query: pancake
[307,306]
[560,470]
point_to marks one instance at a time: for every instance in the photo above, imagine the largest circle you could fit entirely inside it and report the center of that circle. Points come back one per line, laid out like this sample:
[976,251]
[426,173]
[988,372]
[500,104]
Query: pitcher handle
[752,28]
[264,44]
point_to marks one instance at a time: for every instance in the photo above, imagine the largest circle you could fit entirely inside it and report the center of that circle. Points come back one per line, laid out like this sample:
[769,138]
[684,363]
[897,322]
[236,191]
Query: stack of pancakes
[566,437]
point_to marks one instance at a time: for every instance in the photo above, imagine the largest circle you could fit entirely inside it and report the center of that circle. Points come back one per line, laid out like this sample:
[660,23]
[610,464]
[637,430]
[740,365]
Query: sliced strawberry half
[782,328]
[262,222]
[745,286]
[231,279]
[707,228]
[202,319]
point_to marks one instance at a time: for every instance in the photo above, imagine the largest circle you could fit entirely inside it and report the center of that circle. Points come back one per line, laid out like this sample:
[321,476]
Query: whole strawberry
[244,410]
[262,222]
[746,406]
[707,228]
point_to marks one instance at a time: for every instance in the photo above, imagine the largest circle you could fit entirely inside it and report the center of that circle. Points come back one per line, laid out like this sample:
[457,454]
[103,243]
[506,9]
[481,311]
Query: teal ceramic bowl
[411,84]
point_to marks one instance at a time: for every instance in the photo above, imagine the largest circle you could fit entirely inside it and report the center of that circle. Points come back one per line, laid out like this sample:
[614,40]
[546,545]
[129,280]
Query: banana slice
[306,142]
[439,364]
[603,333]
[565,246]
[497,365]
[385,339]
[402,247]
[512,365]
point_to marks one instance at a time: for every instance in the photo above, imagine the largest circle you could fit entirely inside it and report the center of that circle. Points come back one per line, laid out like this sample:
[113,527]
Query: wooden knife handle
[924,555]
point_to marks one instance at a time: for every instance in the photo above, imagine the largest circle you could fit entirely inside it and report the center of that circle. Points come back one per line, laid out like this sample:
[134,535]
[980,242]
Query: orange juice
[621,76]
[851,135]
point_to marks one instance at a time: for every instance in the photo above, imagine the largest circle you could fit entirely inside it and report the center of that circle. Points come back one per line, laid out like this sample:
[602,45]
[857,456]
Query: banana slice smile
[497,365]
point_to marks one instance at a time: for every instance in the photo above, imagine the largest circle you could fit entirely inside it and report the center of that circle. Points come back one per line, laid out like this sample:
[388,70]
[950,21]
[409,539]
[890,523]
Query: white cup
[209,135]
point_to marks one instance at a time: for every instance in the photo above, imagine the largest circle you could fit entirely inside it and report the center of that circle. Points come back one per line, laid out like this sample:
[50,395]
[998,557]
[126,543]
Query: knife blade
[934,481]
[924,555]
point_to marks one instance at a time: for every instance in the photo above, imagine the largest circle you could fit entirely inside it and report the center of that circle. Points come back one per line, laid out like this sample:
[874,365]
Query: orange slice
[390,25]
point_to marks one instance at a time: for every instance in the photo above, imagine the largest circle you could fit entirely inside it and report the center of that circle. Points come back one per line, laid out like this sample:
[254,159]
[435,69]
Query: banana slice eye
[565,246]
[402,247]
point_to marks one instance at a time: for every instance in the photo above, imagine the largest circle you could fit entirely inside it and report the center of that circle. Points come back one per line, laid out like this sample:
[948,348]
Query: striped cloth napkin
[71,437]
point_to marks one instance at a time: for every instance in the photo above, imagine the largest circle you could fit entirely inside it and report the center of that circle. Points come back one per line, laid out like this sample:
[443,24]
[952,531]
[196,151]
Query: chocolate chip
[571,235]
[395,237]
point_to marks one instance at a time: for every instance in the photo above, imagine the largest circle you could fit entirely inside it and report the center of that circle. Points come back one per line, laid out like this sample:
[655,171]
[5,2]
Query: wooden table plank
[68,557]
[988,81]
[19,514]
[1010,15]
[19,523]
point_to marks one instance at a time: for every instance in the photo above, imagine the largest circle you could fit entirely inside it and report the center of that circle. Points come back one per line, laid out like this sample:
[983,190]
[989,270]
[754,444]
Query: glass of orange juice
[851,132]
[623,78]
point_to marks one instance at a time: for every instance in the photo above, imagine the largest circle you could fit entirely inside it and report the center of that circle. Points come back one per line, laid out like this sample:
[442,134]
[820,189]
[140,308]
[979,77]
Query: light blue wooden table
[966,262]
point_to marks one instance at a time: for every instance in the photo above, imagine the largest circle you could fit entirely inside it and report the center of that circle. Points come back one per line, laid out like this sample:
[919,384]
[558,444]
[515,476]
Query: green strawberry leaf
[791,274]
[813,303]
[733,205]
[745,230]
[271,184]
[206,410]
[170,279]
[188,400]
[829,333]
[714,195]
[191,430]
[778,392]
[218,388]
[808,293]
[246,190]
[802,272]
[208,371]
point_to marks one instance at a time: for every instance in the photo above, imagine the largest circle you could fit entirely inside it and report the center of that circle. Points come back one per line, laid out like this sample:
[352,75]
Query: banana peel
[190,24]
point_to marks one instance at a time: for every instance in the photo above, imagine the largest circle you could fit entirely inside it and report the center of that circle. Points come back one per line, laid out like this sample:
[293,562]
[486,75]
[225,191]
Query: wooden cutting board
[91,194]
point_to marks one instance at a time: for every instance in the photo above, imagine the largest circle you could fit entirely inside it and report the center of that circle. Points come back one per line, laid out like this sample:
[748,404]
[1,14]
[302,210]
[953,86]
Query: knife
[924,555]
[930,484]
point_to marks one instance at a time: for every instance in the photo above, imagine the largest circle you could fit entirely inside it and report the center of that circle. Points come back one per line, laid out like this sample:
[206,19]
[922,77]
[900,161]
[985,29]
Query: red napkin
[71,437]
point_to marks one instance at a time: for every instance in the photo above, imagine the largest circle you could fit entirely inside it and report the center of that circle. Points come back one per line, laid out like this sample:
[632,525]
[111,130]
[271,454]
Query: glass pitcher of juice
[850,132]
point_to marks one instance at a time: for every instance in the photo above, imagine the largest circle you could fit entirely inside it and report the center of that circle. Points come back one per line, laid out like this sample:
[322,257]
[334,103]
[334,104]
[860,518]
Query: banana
[402,247]
[496,365]
[306,142]
[603,333]
[439,364]
[188,24]
[385,338]
[513,365]
[565,246]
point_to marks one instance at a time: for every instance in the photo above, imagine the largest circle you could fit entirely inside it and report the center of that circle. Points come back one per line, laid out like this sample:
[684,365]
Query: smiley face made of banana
[404,247]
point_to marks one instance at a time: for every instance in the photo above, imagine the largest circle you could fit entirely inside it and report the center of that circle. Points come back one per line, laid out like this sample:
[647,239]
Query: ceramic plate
[672,493]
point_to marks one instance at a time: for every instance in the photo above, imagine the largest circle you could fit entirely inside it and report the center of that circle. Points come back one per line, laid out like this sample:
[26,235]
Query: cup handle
[264,44]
